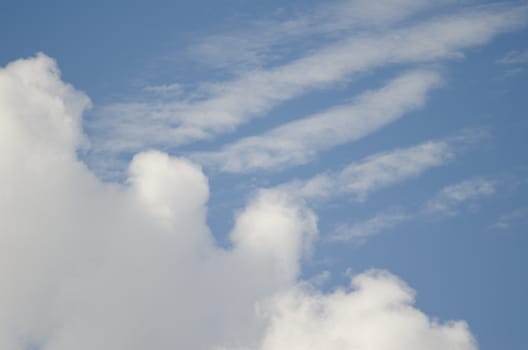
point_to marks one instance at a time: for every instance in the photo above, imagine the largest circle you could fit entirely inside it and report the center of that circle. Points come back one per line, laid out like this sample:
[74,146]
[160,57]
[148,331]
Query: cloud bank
[92,265]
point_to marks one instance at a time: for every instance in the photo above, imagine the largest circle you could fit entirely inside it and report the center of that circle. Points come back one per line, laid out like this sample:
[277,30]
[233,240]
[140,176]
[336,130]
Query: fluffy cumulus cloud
[375,314]
[91,265]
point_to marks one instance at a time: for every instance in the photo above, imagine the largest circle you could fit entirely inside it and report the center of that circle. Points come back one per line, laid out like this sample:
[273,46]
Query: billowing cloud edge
[91,265]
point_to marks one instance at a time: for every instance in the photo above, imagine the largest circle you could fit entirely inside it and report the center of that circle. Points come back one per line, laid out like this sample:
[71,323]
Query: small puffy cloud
[163,182]
[276,229]
[90,265]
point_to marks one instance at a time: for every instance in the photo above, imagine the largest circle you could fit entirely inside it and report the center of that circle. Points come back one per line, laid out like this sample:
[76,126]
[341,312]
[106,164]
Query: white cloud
[514,57]
[91,265]
[226,105]
[299,141]
[517,216]
[449,199]
[88,265]
[239,50]
[165,89]
[375,314]
[377,171]
[360,230]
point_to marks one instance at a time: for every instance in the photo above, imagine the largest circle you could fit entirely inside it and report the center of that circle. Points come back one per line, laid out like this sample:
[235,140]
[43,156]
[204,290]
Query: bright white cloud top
[134,264]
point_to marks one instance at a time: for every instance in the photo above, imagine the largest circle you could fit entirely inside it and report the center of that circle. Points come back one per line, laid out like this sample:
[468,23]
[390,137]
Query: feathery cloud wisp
[372,226]
[514,58]
[229,104]
[448,201]
[359,179]
[508,220]
[450,197]
[299,141]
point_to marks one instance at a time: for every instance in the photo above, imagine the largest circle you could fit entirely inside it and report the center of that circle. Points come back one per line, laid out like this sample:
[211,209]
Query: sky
[264,175]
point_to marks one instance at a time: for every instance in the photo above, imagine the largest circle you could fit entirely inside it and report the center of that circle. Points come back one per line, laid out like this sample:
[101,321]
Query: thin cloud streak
[514,58]
[240,51]
[447,202]
[451,197]
[377,171]
[515,217]
[227,105]
[361,230]
[298,142]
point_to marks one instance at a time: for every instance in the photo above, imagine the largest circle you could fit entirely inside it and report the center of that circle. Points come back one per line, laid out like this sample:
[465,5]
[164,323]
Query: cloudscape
[318,175]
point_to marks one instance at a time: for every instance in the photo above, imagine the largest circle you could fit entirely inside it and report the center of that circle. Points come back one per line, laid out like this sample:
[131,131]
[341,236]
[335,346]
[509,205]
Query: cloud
[506,221]
[359,231]
[92,265]
[374,172]
[165,89]
[223,106]
[299,141]
[240,51]
[514,58]
[377,311]
[449,199]
[88,265]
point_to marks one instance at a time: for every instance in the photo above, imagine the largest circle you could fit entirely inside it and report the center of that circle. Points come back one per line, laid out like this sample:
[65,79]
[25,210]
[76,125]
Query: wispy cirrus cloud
[449,199]
[508,220]
[223,106]
[358,231]
[238,50]
[374,172]
[165,89]
[514,58]
[515,62]
[298,142]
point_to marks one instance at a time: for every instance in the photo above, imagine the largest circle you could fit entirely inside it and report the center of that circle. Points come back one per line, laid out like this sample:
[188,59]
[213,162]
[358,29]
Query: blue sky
[386,136]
